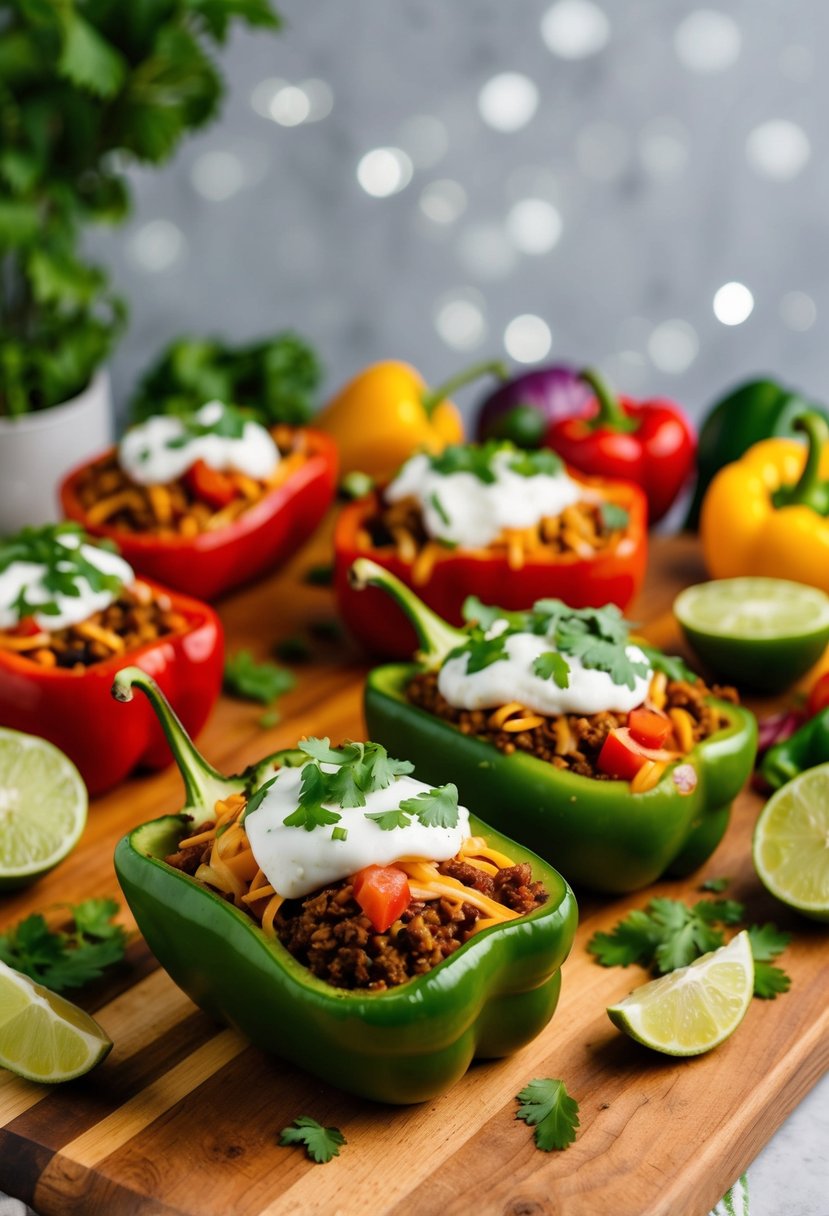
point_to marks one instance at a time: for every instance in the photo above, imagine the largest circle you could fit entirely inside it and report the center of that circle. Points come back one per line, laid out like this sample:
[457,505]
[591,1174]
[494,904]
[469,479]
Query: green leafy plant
[87,87]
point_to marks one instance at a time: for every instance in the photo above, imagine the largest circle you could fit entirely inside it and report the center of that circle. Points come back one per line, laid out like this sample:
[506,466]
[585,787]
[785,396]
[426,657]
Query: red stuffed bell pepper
[650,443]
[71,616]
[207,501]
[490,521]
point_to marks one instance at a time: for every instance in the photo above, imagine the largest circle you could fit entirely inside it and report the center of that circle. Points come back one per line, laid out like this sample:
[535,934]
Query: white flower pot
[38,449]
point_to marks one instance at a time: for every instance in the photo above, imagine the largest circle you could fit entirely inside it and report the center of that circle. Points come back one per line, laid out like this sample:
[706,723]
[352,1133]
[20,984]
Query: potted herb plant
[88,87]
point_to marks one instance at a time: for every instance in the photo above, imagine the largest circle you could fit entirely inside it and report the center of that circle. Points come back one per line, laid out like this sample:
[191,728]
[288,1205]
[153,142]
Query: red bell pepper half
[610,576]
[73,709]
[264,535]
[651,443]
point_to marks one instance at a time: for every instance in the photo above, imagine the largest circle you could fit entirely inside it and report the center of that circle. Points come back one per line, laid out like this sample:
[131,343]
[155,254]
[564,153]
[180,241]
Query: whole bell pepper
[407,1044]
[211,563]
[807,747]
[760,409]
[387,412]
[523,409]
[611,575]
[601,835]
[651,443]
[768,513]
[73,709]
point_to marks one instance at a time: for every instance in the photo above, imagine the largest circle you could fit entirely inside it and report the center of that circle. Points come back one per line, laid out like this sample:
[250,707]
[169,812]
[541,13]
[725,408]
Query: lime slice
[43,804]
[693,1008]
[791,843]
[42,1036]
[763,633]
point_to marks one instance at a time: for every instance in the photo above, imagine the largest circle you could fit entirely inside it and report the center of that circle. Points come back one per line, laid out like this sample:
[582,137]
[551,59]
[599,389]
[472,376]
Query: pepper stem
[436,636]
[432,397]
[610,414]
[203,785]
[808,490]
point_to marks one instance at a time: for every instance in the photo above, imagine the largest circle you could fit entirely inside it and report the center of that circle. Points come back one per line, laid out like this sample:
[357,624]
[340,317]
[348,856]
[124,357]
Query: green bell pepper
[408,1044]
[597,833]
[760,409]
[807,747]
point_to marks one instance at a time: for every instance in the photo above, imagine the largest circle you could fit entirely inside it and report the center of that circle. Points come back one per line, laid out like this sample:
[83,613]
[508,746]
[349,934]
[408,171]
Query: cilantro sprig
[547,1106]
[228,424]
[321,1144]
[668,934]
[479,460]
[70,957]
[65,567]
[252,681]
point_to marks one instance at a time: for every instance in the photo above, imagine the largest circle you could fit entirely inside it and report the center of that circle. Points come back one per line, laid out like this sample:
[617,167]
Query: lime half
[43,805]
[42,1036]
[693,1008]
[791,843]
[762,633]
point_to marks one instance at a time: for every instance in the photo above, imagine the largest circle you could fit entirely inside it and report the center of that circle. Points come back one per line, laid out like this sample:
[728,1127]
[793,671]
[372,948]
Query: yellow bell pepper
[387,412]
[768,513]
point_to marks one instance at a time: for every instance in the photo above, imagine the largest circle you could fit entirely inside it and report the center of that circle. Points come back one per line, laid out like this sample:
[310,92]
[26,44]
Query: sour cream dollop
[146,456]
[297,862]
[72,609]
[513,679]
[463,510]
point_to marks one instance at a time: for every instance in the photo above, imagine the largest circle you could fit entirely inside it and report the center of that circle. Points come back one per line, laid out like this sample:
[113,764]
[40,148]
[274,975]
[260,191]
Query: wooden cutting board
[183,1117]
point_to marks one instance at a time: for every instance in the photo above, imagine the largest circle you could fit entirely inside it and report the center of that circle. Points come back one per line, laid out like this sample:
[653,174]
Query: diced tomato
[648,726]
[383,893]
[26,627]
[819,695]
[621,756]
[209,485]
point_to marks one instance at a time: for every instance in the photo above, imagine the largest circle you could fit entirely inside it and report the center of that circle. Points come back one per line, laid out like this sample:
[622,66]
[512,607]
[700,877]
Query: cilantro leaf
[387,821]
[252,681]
[384,768]
[715,885]
[256,799]
[769,981]
[633,940]
[543,462]
[66,959]
[551,665]
[320,576]
[321,750]
[721,911]
[310,816]
[614,517]
[670,665]
[480,651]
[767,941]
[436,808]
[321,1143]
[468,458]
[440,509]
[547,1106]
[345,787]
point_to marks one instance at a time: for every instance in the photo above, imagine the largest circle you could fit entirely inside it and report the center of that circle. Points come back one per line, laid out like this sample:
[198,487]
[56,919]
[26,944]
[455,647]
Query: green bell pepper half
[597,833]
[407,1044]
[807,747]
[760,409]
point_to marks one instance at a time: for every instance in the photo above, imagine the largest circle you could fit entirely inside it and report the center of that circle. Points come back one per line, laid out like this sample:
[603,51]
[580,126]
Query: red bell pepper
[651,443]
[73,709]
[612,575]
[211,563]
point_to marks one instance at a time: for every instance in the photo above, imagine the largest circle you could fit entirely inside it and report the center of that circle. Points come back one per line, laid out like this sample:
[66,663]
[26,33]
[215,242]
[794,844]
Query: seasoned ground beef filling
[568,741]
[328,932]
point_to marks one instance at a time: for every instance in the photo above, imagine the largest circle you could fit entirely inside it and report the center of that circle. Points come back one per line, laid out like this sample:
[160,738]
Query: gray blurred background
[640,184]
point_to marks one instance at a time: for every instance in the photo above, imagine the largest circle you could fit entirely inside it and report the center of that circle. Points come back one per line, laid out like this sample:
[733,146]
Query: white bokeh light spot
[778,149]
[156,246]
[534,226]
[798,311]
[217,175]
[443,201]
[527,338]
[384,171]
[459,319]
[263,94]
[673,346]
[320,99]
[290,106]
[508,101]
[574,29]
[733,303]
[707,40]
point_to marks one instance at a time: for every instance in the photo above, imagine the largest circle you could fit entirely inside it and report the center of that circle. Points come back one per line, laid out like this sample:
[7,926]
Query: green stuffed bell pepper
[553,783]
[399,1044]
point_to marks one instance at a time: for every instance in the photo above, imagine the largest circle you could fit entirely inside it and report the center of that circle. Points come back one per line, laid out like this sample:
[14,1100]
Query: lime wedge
[43,805]
[763,633]
[791,843]
[42,1036]
[693,1008]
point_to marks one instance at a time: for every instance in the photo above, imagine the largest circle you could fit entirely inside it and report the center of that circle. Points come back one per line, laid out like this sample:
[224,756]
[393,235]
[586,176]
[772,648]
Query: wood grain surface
[183,1117]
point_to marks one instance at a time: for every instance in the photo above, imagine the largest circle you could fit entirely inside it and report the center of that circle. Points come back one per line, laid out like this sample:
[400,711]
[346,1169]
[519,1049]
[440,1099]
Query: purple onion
[778,727]
[523,408]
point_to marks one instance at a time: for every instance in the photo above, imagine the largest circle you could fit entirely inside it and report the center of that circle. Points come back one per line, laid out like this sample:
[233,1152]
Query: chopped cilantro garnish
[542,463]
[547,1106]
[441,509]
[359,769]
[551,665]
[387,821]
[253,681]
[71,958]
[614,517]
[339,833]
[478,459]
[64,566]
[320,1143]
[480,650]
[435,808]
[230,424]
[256,800]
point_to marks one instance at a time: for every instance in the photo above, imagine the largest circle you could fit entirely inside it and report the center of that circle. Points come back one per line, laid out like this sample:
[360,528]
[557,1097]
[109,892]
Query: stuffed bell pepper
[206,501]
[346,916]
[604,754]
[71,614]
[492,521]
